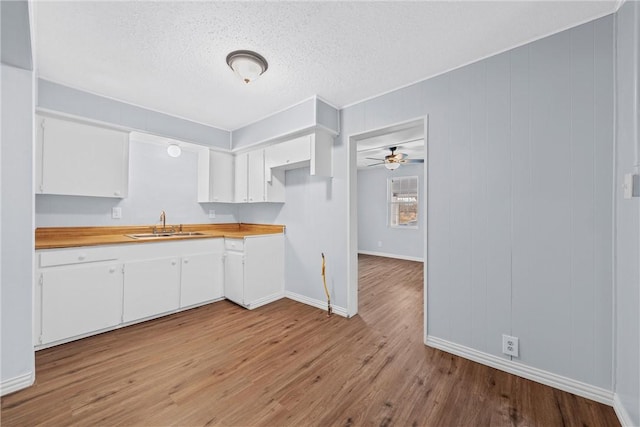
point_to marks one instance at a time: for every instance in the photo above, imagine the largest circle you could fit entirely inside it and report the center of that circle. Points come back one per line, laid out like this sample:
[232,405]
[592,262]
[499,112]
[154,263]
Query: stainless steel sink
[165,235]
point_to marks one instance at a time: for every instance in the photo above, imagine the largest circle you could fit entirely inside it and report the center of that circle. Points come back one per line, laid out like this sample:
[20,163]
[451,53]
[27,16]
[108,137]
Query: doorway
[370,158]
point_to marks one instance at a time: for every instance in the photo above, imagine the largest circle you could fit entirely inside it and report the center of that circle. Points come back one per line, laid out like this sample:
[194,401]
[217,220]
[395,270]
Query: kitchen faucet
[163,219]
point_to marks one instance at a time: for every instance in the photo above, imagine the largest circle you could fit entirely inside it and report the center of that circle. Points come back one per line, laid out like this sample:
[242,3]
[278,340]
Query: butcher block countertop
[68,237]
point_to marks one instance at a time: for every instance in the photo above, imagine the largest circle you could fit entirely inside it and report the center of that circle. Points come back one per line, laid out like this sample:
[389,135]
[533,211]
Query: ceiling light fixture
[174,150]
[248,65]
[391,165]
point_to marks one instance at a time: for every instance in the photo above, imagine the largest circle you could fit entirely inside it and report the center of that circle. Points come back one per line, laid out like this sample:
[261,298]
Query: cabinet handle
[82,257]
[112,269]
[173,262]
[186,261]
[116,193]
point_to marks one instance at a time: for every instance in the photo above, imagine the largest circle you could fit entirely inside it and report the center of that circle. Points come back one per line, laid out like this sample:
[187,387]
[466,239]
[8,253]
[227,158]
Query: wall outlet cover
[510,345]
[212,214]
[116,213]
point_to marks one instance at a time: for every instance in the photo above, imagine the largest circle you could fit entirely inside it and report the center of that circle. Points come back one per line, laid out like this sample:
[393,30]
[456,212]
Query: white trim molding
[386,255]
[534,374]
[17,383]
[621,412]
[340,311]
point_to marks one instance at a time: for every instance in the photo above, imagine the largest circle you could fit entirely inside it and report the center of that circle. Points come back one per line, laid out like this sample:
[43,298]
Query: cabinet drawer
[77,256]
[234,244]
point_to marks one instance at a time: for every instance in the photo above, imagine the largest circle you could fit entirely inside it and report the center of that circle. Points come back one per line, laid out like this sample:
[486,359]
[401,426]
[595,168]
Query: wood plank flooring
[287,364]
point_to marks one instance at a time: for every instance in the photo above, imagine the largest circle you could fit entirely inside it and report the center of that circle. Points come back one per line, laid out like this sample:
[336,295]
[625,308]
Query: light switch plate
[212,214]
[116,213]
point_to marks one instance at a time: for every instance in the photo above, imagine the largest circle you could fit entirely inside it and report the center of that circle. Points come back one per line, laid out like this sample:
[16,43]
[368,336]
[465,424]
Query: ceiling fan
[394,160]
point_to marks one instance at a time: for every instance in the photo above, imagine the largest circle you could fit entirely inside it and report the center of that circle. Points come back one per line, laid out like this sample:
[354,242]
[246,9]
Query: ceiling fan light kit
[391,165]
[394,160]
[247,65]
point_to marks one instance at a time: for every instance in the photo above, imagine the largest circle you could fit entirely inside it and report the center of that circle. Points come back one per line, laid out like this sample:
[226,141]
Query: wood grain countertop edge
[69,237]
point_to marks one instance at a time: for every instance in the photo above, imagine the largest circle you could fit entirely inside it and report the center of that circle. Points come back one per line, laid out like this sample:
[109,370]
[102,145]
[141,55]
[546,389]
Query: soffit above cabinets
[170,56]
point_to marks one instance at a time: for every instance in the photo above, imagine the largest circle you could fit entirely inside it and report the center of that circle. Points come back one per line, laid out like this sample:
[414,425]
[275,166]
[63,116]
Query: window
[403,201]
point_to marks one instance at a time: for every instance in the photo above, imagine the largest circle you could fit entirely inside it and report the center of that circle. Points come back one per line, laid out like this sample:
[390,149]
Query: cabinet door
[240,184]
[256,182]
[221,176]
[151,287]
[76,301]
[264,267]
[289,154]
[234,277]
[81,160]
[202,278]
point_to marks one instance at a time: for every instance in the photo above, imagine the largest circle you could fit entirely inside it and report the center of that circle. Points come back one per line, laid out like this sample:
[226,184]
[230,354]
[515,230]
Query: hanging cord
[326,291]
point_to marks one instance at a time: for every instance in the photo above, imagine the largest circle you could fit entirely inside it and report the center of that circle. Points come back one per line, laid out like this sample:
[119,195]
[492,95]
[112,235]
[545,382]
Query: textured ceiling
[170,56]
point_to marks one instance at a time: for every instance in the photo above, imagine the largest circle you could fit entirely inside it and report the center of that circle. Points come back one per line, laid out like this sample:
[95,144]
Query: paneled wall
[519,174]
[17,362]
[627,379]
[374,233]
[16,250]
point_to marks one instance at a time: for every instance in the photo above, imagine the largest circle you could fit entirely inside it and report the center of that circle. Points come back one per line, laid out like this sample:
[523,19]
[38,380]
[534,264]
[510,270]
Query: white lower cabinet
[202,278]
[151,287]
[82,291]
[254,270]
[79,300]
[86,290]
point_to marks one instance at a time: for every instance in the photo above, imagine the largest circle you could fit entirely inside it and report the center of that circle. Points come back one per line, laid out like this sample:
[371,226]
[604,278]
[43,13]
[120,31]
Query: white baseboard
[340,311]
[534,374]
[386,255]
[266,300]
[621,412]
[17,383]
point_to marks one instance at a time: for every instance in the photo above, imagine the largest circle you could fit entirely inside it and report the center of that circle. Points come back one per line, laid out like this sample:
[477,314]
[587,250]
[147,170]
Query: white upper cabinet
[251,185]
[215,176]
[313,151]
[81,160]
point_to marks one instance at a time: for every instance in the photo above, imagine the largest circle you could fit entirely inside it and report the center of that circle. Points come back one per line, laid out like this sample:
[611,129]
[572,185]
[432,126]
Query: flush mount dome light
[248,65]
[174,150]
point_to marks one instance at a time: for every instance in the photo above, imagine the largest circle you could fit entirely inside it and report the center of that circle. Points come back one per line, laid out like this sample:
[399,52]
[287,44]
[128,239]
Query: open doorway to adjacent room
[387,212]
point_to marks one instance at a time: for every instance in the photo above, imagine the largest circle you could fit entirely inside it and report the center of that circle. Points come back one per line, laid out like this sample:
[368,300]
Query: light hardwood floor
[287,364]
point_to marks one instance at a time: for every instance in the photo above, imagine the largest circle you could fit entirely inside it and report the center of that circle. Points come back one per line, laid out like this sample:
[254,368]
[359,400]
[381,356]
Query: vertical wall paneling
[627,234]
[603,178]
[521,193]
[498,172]
[582,160]
[479,206]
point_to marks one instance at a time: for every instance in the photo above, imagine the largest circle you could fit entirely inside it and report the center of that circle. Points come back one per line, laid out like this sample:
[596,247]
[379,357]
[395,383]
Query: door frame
[352,211]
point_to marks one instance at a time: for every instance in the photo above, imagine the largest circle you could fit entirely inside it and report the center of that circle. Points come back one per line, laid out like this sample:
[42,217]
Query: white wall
[16,225]
[627,373]
[372,215]
[156,182]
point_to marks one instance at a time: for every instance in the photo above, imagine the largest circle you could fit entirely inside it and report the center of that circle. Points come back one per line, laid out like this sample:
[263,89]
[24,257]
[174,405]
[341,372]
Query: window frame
[393,205]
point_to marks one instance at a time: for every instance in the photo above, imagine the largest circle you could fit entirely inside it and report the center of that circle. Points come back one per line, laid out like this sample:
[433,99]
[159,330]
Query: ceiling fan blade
[376,164]
[373,158]
[413,161]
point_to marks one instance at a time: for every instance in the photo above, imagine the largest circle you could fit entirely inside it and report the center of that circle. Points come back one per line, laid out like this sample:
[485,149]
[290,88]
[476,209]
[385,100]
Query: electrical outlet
[212,214]
[510,345]
[116,213]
